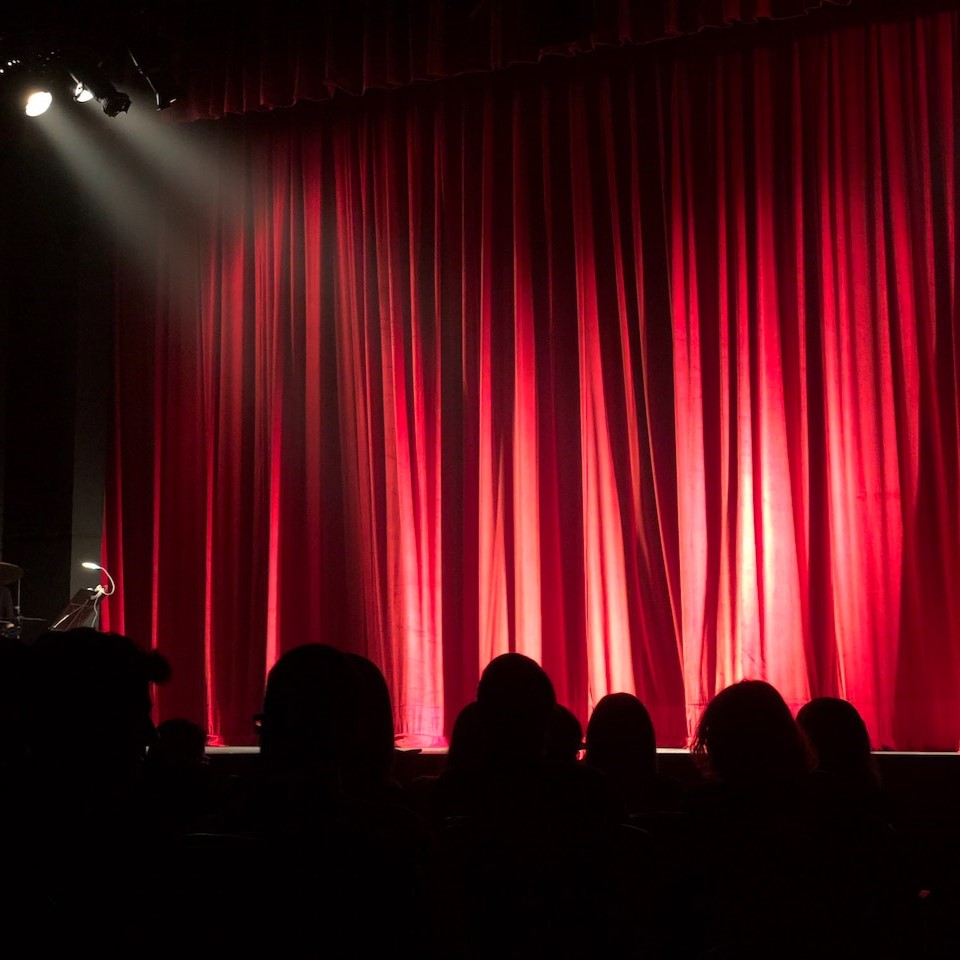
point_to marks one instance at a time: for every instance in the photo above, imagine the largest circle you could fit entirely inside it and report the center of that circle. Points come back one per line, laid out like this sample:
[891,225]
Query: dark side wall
[55,341]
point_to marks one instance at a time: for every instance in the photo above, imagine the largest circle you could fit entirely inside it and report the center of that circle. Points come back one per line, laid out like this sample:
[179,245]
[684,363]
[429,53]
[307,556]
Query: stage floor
[924,787]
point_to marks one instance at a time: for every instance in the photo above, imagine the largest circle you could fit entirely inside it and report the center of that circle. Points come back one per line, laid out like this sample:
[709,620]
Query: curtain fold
[644,366]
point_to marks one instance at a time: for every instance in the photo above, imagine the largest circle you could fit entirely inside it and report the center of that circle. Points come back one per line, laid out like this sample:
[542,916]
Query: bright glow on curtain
[644,366]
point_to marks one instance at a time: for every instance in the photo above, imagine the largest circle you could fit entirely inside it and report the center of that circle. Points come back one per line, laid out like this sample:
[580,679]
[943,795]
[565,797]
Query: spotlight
[150,62]
[32,78]
[82,94]
[91,78]
[38,102]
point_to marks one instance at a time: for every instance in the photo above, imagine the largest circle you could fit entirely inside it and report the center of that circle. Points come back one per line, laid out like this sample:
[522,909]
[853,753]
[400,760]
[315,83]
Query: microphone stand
[98,592]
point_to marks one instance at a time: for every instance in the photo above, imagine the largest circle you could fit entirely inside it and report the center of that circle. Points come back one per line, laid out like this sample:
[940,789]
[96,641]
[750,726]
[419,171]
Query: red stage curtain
[278,55]
[644,365]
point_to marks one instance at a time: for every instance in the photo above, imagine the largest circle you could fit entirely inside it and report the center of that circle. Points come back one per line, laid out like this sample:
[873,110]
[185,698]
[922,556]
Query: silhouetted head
[564,736]
[90,697]
[838,736]
[747,733]
[466,740]
[369,756]
[620,737]
[180,743]
[515,699]
[309,710]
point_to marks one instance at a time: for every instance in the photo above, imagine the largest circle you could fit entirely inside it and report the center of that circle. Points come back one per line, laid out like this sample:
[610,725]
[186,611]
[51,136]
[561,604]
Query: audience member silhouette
[452,792]
[87,819]
[621,743]
[182,786]
[775,874]
[620,737]
[534,857]
[309,714]
[564,739]
[747,736]
[179,743]
[90,704]
[499,741]
[369,753]
[466,744]
[337,860]
[861,853]
[752,829]
[840,740]
[515,700]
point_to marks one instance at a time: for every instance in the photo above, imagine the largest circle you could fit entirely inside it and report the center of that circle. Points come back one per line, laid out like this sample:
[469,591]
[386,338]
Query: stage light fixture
[32,79]
[38,102]
[92,78]
[114,103]
[82,94]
